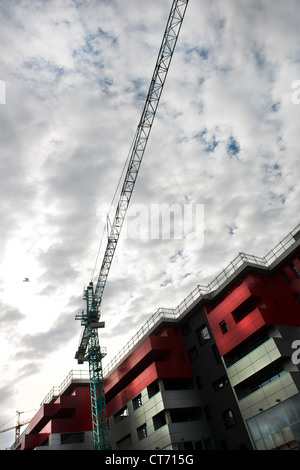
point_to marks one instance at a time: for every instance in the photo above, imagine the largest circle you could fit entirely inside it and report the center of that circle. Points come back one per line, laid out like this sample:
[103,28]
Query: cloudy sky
[73,78]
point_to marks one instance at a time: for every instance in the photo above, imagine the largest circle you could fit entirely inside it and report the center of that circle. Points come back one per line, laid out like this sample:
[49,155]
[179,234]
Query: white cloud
[226,136]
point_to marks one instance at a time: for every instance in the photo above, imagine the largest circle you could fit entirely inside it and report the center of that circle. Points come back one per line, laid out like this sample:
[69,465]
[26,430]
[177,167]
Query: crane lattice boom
[93,296]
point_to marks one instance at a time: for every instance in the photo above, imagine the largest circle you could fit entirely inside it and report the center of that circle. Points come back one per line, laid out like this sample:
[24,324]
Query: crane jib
[89,348]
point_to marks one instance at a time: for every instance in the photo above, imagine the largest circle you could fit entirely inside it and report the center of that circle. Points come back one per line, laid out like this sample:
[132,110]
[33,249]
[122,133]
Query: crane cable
[111,204]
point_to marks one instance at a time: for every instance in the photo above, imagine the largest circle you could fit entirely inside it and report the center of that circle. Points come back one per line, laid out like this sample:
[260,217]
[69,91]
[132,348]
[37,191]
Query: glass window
[254,430]
[286,278]
[159,420]
[295,270]
[288,411]
[220,383]
[229,418]
[142,432]
[273,429]
[280,417]
[137,402]
[153,389]
[224,327]
[245,308]
[203,334]
[295,403]
[121,414]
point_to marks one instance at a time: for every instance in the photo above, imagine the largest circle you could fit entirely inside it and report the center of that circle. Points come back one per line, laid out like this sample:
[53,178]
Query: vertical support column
[98,406]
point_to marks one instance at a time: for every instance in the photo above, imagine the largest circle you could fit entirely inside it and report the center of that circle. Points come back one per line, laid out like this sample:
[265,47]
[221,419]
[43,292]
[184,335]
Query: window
[72,438]
[159,420]
[248,348]
[259,380]
[153,389]
[245,308]
[121,414]
[286,278]
[142,432]
[294,270]
[228,418]
[224,327]
[137,402]
[220,383]
[193,353]
[203,334]
[182,415]
[267,376]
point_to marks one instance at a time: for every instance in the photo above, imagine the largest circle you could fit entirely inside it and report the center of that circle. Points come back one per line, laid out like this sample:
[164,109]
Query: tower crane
[17,427]
[89,348]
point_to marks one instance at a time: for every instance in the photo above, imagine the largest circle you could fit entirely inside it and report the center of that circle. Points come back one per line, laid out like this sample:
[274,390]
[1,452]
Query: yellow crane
[18,426]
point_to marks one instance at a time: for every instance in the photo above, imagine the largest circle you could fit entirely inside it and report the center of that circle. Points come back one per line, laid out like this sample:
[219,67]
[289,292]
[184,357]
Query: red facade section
[160,356]
[256,301]
[69,413]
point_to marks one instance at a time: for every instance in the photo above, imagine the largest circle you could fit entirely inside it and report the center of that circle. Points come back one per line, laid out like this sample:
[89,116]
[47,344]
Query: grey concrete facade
[155,423]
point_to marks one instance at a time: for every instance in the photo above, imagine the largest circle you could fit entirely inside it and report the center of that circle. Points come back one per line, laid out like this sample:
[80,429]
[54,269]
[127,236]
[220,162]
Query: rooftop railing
[74,375]
[200,291]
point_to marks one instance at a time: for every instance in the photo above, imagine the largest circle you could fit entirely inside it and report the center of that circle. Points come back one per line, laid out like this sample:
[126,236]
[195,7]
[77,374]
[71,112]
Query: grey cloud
[41,344]
[9,315]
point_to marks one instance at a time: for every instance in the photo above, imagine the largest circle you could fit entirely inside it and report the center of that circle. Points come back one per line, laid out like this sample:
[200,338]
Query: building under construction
[221,371]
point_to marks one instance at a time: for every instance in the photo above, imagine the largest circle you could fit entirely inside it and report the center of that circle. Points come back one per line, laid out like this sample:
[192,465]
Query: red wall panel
[67,414]
[158,356]
[275,304]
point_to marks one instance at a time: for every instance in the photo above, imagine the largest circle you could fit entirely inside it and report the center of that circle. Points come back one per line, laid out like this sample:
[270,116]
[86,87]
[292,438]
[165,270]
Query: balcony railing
[73,376]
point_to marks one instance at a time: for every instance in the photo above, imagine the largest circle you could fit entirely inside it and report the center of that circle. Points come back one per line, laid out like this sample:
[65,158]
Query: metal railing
[73,375]
[55,392]
[200,291]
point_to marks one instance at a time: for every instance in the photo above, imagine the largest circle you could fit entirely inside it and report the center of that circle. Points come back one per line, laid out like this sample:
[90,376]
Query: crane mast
[89,348]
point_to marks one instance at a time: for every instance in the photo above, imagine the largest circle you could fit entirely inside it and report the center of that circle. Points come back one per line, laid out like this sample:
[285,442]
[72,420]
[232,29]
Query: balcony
[270,395]
[255,361]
